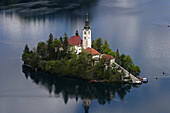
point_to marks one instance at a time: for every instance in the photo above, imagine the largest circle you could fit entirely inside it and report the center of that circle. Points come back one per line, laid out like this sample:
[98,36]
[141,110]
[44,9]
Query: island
[81,58]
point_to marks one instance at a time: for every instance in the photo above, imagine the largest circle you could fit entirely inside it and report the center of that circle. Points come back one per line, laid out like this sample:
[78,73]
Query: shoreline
[76,78]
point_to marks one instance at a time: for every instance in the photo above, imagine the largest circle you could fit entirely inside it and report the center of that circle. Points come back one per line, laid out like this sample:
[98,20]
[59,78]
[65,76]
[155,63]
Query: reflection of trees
[43,7]
[74,88]
[40,10]
[59,2]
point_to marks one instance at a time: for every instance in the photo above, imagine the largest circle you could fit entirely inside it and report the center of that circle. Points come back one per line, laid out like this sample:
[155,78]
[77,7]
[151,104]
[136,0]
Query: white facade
[96,57]
[86,38]
[86,34]
[112,61]
[78,49]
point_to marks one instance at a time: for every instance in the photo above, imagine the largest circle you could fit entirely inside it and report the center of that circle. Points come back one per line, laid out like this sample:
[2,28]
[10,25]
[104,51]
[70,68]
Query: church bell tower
[86,34]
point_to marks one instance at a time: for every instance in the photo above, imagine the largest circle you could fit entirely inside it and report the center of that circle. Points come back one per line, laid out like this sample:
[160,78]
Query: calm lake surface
[136,27]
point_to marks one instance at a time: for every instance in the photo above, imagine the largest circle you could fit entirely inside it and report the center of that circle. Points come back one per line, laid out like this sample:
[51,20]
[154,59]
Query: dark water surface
[137,27]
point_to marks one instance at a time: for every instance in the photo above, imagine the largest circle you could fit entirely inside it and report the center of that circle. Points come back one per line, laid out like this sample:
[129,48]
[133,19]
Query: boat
[94,81]
[144,80]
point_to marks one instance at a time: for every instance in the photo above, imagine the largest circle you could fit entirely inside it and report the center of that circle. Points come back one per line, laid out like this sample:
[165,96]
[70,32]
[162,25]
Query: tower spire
[87,22]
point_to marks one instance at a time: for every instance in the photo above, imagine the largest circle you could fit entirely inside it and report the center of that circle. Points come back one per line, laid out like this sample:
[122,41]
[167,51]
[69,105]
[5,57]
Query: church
[85,43]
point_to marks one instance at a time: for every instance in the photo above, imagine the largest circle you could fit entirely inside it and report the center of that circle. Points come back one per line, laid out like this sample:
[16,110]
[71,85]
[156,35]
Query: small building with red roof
[76,42]
[95,54]
[109,58]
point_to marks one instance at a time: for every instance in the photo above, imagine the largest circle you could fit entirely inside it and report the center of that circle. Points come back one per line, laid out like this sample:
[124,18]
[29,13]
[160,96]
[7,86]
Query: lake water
[136,27]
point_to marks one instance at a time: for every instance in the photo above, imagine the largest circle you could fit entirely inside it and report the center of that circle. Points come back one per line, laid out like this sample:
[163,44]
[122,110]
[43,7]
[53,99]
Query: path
[127,74]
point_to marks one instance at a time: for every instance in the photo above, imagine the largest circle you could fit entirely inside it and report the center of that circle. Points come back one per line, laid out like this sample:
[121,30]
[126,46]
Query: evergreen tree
[112,53]
[58,48]
[97,43]
[26,49]
[61,39]
[34,59]
[26,58]
[49,43]
[65,42]
[65,46]
[42,49]
[106,43]
[117,57]
[135,70]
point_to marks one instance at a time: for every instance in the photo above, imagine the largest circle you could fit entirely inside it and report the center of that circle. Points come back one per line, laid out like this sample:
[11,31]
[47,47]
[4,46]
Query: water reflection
[43,7]
[79,89]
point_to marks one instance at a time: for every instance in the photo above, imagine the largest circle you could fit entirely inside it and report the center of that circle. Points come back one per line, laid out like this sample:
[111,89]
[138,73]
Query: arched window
[84,37]
[84,32]
[89,32]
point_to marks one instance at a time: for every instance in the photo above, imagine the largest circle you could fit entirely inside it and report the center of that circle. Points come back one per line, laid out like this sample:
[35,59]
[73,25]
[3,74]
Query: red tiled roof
[74,40]
[92,51]
[107,57]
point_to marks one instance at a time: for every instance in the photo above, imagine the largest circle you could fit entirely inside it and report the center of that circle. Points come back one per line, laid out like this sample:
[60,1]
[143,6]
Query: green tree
[66,53]
[135,70]
[57,48]
[49,44]
[42,65]
[83,63]
[97,43]
[99,69]
[26,49]
[117,57]
[129,61]
[65,42]
[34,60]
[42,49]
[61,39]
[25,58]
[112,53]
[125,61]
[106,43]
[105,49]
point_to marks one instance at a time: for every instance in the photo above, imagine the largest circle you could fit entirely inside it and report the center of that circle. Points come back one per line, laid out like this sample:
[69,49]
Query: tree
[106,43]
[49,43]
[65,42]
[25,57]
[135,70]
[117,57]
[129,61]
[125,61]
[61,39]
[66,52]
[97,43]
[34,60]
[105,49]
[26,49]
[57,47]
[99,69]
[112,53]
[42,49]
[42,65]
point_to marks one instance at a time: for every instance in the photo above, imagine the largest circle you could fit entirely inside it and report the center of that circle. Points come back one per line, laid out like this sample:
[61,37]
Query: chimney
[77,34]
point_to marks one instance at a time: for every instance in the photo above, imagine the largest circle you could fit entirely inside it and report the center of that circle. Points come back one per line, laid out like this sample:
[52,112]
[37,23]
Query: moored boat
[144,80]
